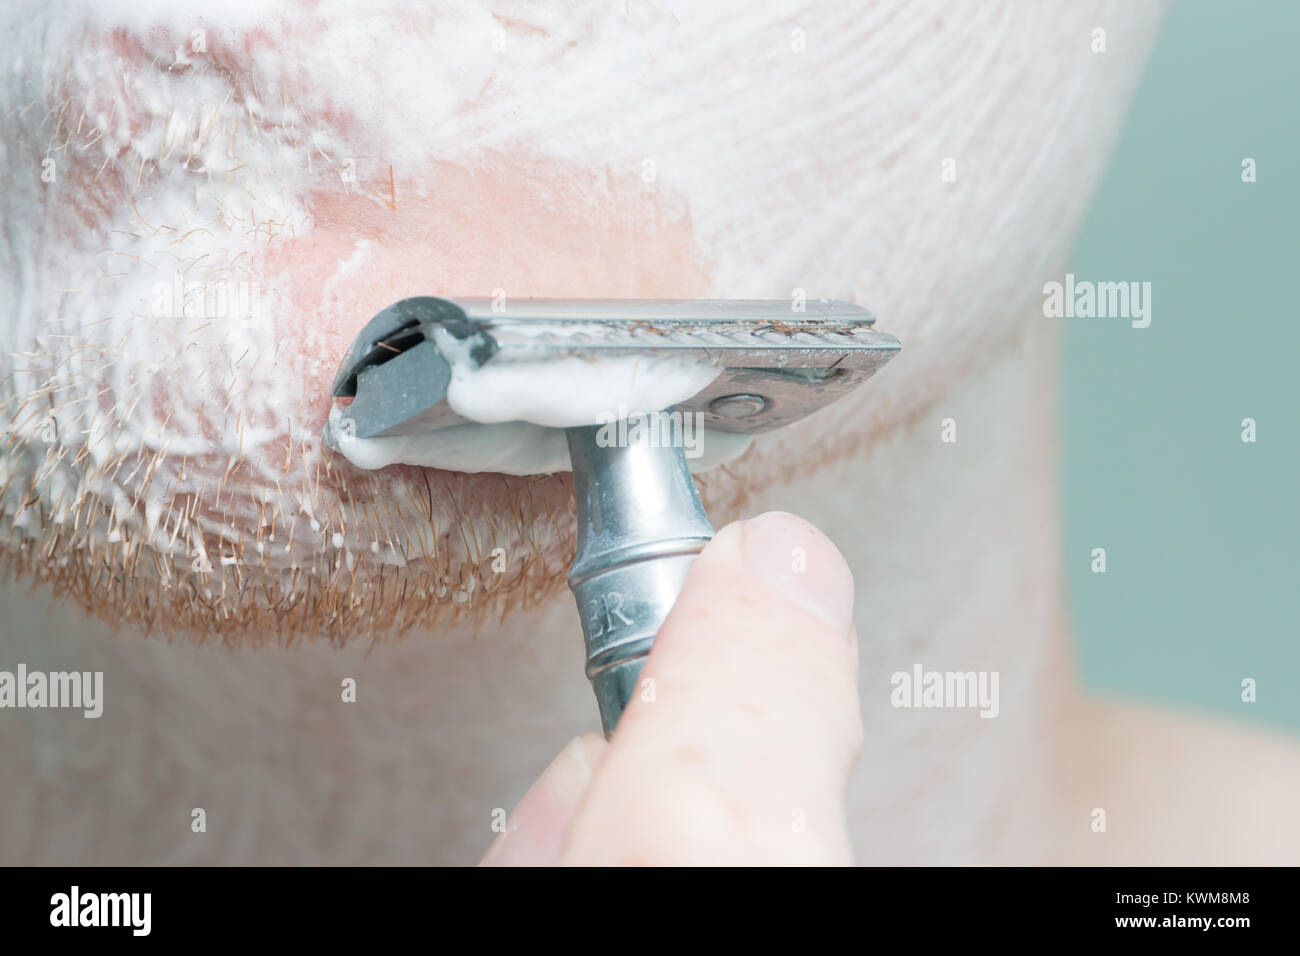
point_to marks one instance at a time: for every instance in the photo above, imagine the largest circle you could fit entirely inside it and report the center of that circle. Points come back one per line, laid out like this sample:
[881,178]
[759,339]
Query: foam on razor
[562,392]
[518,408]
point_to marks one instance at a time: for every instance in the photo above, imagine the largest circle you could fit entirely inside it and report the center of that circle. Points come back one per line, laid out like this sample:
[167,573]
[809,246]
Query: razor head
[776,365]
[395,373]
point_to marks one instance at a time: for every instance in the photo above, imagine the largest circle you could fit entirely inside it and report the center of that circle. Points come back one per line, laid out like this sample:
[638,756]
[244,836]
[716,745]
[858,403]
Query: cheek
[507,226]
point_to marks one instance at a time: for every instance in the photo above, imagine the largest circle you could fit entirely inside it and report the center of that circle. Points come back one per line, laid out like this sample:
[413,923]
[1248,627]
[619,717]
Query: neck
[954,550]
[954,547]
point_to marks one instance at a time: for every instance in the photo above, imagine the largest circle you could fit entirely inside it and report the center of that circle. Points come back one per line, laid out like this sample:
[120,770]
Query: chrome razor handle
[640,526]
[640,522]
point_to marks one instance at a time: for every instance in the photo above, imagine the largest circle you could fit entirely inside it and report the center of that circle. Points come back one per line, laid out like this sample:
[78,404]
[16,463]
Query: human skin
[469,681]
[755,668]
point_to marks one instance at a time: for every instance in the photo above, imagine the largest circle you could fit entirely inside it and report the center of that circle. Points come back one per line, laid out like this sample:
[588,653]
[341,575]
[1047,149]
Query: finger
[738,746]
[535,830]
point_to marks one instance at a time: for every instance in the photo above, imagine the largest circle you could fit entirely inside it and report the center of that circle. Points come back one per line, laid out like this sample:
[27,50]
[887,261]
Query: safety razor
[640,520]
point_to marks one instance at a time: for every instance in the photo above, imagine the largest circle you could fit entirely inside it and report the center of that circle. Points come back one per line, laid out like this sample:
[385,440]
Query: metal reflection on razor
[640,520]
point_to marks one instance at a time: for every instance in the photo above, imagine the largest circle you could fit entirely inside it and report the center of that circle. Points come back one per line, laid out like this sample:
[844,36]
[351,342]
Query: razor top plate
[776,365]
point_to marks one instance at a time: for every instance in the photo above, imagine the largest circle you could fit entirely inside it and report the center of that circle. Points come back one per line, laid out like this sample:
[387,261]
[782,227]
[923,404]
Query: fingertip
[753,712]
[795,558]
[535,830]
[776,558]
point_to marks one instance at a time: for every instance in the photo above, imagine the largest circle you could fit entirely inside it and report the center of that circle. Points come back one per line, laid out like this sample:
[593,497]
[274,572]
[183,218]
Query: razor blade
[777,364]
[640,519]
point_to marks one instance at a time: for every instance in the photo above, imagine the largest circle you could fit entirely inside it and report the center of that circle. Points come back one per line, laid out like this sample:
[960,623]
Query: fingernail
[576,773]
[792,557]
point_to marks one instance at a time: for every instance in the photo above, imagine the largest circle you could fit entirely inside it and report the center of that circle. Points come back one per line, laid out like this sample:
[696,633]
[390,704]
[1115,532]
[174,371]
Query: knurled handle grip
[640,526]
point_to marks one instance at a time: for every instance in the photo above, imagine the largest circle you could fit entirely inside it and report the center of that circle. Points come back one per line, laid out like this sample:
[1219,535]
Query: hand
[737,748]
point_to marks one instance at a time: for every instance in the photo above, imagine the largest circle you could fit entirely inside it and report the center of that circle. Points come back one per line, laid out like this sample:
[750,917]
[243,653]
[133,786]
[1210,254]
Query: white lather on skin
[806,144]
[818,170]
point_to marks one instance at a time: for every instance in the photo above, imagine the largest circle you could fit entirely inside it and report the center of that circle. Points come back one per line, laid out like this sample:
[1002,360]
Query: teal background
[1201,530]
